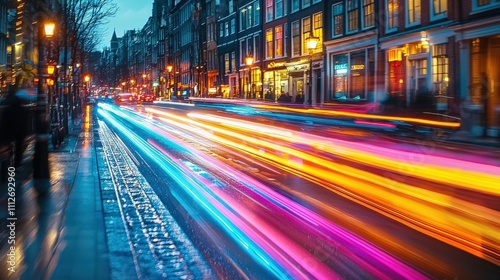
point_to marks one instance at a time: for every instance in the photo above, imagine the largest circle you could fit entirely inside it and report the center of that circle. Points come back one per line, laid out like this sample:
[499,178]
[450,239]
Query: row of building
[437,53]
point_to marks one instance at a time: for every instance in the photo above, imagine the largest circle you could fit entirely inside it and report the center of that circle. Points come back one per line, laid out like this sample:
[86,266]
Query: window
[278,33]
[482,5]
[233,61]
[413,12]
[295,38]
[250,17]
[352,15]
[306,32]
[233,26]
[269,43]
[439,8]
[243,19]
[226,29]
[256,10]
[250,45]
[306,3]
[269,10]
[318,29]
[338,19]
[368,13]
[279,8]
[257,47]
[440,68]
[221,30]
[231,6]
[392,15]
[226,63]
[295,5]
[243,51]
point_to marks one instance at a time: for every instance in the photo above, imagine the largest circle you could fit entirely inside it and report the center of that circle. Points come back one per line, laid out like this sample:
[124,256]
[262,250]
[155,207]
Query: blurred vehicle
[91,99]
[148,98]
[125,98]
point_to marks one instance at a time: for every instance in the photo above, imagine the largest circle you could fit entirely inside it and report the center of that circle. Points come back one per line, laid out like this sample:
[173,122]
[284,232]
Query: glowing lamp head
[49,28]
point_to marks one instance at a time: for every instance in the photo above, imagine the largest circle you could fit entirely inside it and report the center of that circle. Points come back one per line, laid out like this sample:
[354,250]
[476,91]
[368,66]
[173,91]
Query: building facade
[433,55]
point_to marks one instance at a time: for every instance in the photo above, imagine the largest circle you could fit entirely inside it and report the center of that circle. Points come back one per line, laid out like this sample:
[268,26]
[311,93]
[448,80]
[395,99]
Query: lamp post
[249,63]
[169,70]
[312,43]
[41,172]
[87,81]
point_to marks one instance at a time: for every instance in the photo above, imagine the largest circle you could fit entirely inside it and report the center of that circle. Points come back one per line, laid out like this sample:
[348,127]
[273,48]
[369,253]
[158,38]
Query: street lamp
[169,70]
[41,172]
[87,80]
[249,62]
[312,43]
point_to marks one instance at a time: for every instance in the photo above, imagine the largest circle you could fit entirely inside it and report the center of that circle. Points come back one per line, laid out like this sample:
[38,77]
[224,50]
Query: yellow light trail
[471,227]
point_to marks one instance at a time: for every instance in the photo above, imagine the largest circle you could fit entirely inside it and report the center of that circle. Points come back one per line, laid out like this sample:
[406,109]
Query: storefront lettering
[340,69]
[357,67]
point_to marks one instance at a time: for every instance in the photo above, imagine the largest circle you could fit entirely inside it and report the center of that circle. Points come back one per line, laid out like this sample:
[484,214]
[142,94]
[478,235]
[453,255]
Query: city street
[236,190]
[250,191]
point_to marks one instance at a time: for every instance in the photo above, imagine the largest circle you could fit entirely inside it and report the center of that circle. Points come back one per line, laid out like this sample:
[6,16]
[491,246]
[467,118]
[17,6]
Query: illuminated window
[306,32]
[269,43]
[226,62]
[296,38]
[413,11]
[318,30]
[392,15]
[352,15]
[439,67]
[278,33]
[439,7]
[368,13]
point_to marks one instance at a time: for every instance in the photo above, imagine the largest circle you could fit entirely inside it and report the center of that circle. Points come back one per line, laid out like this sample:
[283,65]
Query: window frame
[365,15]
[269,43]
[391,17]
[417,12]
[342,20]
[433,15]
[356,13]
[269,10]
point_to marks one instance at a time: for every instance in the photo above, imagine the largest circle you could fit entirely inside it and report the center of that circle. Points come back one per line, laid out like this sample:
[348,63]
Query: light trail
[439,215]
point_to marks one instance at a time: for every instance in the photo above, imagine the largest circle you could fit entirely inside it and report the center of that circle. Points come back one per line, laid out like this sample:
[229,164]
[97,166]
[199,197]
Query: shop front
[353,75]
[275,80]
[478,46]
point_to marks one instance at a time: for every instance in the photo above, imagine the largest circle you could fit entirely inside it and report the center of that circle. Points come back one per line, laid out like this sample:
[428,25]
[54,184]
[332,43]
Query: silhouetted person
[299,98]
[14,123]
[485,101]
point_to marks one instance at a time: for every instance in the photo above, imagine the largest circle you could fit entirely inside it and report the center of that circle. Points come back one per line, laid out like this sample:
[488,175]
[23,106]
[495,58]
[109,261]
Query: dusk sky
[132,14]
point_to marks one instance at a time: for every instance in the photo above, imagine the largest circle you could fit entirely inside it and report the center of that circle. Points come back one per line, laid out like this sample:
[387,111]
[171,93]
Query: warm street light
[311,43]
[249,63]
[49,28]
[170,67]
[51,69]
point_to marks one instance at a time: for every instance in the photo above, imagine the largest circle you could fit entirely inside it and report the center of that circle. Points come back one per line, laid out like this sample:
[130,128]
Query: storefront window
[440,69]
[340,72]
[357,87]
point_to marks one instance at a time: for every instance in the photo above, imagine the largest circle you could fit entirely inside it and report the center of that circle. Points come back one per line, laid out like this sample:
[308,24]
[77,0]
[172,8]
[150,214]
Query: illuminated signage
[357,67]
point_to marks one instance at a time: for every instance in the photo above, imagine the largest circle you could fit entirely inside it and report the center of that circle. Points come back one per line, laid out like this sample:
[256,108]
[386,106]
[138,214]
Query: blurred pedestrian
[485,100]
[14,122]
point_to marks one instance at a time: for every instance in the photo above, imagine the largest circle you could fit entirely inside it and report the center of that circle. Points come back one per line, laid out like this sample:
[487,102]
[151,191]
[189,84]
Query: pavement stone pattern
[135,215]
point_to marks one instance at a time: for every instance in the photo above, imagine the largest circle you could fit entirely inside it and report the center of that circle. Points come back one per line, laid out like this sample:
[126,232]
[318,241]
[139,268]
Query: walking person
[14,123]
